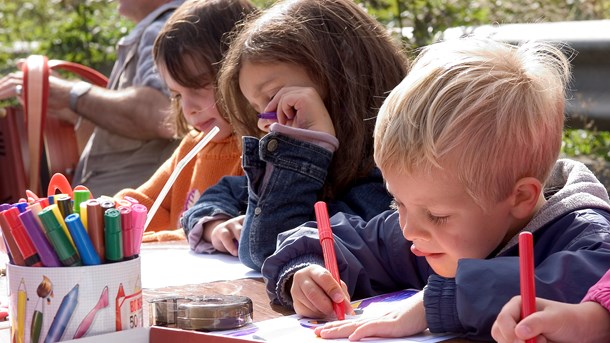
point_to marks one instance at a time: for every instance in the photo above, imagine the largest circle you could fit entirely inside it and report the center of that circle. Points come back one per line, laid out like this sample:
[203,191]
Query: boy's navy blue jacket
[571,252]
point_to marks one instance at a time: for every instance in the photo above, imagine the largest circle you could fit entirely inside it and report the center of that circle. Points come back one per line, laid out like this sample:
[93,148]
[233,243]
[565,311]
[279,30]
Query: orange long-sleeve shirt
[216,160]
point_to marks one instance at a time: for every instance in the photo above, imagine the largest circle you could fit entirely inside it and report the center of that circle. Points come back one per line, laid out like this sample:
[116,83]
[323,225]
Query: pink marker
[138,212]
[127,231]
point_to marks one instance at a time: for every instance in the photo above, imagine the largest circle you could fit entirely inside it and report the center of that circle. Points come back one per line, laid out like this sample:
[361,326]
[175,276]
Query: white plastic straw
[172,178]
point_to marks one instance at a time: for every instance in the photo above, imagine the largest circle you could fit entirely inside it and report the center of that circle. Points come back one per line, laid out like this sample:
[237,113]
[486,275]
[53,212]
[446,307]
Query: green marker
[80,196]
[113,235]
[64,249]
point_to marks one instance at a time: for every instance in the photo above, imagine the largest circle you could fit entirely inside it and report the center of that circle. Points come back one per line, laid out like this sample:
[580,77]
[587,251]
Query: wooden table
[254,288]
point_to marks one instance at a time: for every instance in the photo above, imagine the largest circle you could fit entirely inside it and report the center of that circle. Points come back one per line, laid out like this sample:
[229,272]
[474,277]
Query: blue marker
[82,241]
[21,206]
[62,317]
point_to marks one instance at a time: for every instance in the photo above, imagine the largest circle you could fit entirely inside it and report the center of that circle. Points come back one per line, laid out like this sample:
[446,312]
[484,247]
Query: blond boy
[468,145]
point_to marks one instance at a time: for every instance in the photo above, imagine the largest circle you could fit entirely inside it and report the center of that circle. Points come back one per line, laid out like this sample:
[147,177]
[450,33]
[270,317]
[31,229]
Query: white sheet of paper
[174,264]
[298,329]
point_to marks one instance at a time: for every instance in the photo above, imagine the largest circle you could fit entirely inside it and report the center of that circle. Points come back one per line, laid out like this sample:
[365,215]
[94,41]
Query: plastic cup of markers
[64,303]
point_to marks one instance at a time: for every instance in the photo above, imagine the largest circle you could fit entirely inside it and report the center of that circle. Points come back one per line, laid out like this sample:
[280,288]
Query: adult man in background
[131,137]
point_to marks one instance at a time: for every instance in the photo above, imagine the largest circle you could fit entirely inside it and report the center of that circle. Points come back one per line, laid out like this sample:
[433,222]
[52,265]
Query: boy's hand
[552,322]
[224,234]
[314,290]
[406,321]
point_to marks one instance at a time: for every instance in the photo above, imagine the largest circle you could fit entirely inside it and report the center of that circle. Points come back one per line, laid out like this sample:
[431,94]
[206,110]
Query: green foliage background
[86,31]
[83,31]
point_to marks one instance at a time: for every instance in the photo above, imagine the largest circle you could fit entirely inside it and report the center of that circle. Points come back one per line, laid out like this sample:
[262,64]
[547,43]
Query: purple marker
[267,115]
[45,250]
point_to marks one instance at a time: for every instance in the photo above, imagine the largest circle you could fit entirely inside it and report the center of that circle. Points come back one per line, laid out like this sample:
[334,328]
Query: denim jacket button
[272,145]
[257,211]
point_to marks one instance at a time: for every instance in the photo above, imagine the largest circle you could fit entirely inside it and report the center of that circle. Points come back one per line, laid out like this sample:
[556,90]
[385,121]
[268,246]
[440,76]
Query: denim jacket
[571,253]
[284,177]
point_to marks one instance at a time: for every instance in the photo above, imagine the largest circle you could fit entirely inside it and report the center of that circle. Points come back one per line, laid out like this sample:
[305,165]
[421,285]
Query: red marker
[328,249]
[14,253]
[23,241]
[526,272]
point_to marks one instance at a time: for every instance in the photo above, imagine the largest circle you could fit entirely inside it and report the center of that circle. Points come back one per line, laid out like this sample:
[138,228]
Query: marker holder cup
[64,303]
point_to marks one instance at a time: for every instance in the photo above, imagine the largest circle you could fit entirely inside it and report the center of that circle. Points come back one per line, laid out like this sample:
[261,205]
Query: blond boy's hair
[488,111]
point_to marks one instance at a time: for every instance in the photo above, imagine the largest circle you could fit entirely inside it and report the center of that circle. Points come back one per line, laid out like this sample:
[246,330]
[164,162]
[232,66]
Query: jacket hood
[570,187]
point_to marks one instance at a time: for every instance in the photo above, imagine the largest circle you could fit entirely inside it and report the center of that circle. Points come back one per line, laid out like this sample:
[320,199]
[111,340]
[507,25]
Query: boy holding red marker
[468,146]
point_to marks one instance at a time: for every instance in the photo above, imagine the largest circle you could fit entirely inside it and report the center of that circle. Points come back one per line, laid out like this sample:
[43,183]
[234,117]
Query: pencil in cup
[526,276]
[328,249]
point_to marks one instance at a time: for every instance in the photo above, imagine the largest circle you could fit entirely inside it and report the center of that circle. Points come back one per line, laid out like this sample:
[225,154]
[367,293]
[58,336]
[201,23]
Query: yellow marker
[61,221]
[22,298]
[83,215]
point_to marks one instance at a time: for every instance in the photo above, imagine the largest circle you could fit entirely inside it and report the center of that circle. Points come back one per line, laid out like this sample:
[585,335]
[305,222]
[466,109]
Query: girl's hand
[402,322]
[314,290]
[303,108]
[552,322]
[224,234]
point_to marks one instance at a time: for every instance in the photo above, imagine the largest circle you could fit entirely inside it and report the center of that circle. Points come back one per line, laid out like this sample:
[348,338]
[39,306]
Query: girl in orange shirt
[187,52]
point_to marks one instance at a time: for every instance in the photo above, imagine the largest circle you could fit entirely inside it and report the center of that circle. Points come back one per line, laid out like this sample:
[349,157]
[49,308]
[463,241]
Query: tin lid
[215,312]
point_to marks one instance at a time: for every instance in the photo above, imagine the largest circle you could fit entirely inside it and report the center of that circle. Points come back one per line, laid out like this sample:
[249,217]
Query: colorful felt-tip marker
[60,219]
[95,221]
[139,213]
[23,240]
[21,206]
[64,203]
[106,203]
[526,274]
[327,241]
[80,196]
[83,215]
[13,251]
[82,241]
[65,250]
[267,115]
[113,235]
[48,257]
[127,232]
